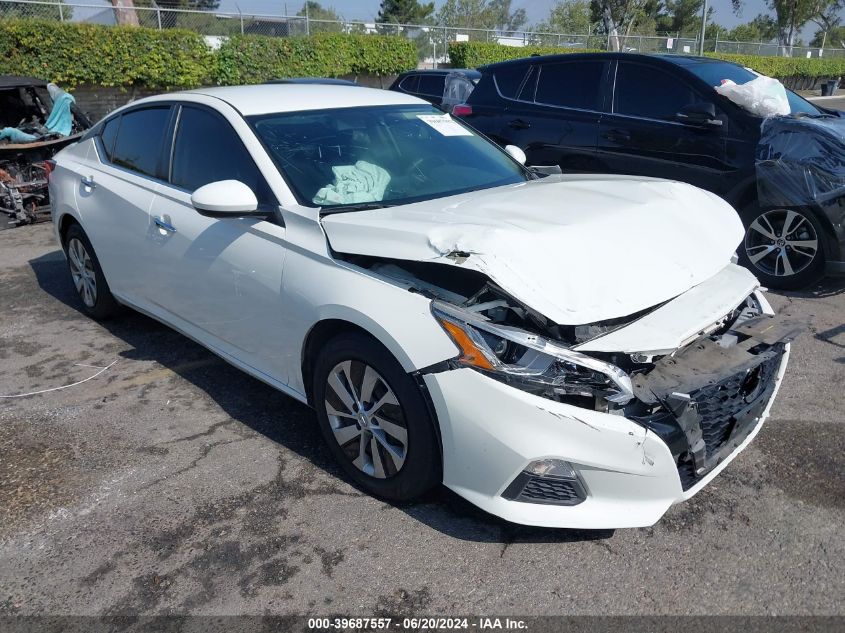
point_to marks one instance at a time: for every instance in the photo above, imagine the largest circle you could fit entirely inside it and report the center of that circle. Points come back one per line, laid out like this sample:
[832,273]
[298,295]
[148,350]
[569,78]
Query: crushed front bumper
[630,470]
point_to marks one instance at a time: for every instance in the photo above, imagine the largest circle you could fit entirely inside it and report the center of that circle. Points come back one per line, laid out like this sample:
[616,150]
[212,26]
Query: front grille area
[530,488]
[729,406]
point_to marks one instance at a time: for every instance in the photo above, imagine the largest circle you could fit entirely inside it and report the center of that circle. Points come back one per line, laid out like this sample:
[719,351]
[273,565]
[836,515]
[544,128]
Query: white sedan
[561,350]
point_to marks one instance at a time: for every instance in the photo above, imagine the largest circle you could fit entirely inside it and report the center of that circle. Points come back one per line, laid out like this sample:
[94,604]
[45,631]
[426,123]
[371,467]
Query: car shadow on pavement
[826,287]
[823,289]
[282,419]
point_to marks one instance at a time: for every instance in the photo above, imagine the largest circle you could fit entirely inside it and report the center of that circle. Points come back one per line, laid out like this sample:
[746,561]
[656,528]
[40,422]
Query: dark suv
[659,115]
[444,87]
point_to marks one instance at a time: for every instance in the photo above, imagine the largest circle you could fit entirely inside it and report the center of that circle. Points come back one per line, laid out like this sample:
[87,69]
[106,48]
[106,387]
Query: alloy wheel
[82,271]
[366,419]
[781,242]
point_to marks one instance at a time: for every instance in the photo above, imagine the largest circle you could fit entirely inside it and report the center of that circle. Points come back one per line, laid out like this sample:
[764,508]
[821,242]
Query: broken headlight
[530,362]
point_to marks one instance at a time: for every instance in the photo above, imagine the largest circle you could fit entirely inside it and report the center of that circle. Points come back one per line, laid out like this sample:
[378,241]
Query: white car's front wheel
[374,419]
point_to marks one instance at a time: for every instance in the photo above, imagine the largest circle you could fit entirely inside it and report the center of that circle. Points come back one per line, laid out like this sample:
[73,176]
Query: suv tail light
[462,109]
[49,166]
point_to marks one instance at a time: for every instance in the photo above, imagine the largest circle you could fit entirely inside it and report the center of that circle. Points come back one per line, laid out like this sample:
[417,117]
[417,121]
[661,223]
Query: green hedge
[253,58]
[786,67]
[473,54]
[70,54]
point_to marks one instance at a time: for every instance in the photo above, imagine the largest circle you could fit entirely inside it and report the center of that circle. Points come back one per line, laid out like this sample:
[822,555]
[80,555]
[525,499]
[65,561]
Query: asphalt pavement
[173,483]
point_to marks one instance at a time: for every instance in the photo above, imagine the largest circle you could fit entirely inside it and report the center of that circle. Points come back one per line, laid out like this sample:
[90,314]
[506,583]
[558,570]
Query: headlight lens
[530,362]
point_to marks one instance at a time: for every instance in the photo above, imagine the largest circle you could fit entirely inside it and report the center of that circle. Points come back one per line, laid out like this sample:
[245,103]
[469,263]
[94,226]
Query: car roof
[677,60]
[331,81]
[15,81]
[272,98]
[472,73]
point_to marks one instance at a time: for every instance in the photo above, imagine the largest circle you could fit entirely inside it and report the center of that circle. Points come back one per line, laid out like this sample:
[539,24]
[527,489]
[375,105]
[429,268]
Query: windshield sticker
[444,124]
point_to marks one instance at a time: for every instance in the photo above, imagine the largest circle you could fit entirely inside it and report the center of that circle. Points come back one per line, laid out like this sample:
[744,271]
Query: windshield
[348,158]
[714,72]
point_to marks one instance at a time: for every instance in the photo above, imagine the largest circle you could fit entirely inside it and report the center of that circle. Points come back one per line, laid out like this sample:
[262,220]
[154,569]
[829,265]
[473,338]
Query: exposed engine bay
[23,190]
[702,398]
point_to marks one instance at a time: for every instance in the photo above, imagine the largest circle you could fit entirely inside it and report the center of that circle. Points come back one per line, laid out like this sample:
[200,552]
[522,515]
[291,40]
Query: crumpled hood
[577,249]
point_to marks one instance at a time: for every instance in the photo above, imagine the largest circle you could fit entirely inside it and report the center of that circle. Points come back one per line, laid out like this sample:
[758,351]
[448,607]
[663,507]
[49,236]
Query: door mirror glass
[702,113]
[224,198]
[516,153]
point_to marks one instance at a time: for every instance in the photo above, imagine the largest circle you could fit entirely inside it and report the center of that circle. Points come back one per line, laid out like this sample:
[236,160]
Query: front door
[643,136]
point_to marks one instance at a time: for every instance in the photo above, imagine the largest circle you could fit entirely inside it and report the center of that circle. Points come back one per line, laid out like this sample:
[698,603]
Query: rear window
[409,83]
[108,135]
[571,84]
[508,80]
[139,140]
[432,85]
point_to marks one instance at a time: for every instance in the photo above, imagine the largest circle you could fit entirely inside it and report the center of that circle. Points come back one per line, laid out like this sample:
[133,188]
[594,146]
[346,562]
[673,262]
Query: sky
[537,9]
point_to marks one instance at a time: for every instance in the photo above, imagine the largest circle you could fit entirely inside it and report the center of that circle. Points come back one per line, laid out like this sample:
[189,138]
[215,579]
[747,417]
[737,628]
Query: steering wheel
[419,167]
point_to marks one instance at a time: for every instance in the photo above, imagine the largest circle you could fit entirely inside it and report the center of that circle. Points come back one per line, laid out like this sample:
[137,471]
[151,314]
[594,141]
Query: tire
[87,275]
[398,471]
[787,261]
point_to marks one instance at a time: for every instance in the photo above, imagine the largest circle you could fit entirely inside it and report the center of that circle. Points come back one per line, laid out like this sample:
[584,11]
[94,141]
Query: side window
[649,92]
[108,134]
[508,80]
[139,140]
[529,88]
[207,149]
[410,83]
[432,85]
[571,84]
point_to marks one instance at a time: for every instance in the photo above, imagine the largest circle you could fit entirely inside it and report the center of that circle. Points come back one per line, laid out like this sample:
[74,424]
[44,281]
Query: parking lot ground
[173,483]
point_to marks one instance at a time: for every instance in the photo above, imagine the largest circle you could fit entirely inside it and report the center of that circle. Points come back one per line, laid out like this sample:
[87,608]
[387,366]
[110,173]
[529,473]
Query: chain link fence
[431,40]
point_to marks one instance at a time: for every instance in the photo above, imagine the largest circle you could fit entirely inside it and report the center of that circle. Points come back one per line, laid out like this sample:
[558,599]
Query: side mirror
[516,153]
[703,113]
[224,198]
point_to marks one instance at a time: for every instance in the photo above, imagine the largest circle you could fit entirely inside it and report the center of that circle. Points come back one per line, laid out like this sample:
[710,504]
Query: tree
[763,28]
[404,12]
[836,37]
[683,16]
[171,14]
[124,12]
[482,14]
[826,14]
[567,16]
[325,19]
[623,16]
[790,17]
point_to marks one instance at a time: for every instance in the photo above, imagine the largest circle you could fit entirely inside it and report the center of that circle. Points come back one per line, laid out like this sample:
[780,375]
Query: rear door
[115,194]
[555,116]
[643,136]
[219,279]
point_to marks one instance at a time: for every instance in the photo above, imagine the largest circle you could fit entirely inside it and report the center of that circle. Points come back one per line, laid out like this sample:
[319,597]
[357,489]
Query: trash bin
[826,87]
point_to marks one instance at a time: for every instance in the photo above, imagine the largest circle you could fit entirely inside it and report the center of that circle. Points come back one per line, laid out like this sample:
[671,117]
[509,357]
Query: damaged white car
[567,351]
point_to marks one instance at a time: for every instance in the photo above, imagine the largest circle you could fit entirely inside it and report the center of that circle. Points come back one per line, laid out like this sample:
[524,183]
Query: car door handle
[519,124]
[164,224]
[88,181]
[617,136]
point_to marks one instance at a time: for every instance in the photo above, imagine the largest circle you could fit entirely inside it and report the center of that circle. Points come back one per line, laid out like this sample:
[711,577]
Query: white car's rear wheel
[374,418]
[87,276]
